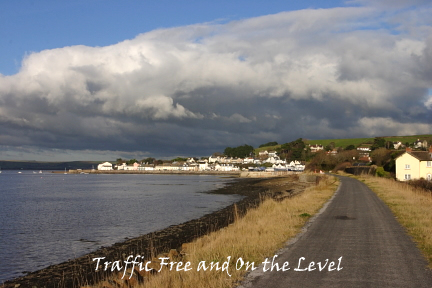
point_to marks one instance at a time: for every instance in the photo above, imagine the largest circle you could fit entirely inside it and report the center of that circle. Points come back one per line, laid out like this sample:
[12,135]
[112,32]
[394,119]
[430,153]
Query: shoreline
[80,271]
[230,173]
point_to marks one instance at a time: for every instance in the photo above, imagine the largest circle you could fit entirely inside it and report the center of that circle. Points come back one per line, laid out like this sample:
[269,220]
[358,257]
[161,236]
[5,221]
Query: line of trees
[240,151]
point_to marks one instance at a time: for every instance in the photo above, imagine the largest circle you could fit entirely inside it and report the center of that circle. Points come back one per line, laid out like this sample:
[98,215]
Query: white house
[420,144]
[316,147]
[132,167]
[203,165]
[364,148]
[105,166]
[214,159]
[146,167]
[397,145]
[272,153]
[226,167]
[122,166]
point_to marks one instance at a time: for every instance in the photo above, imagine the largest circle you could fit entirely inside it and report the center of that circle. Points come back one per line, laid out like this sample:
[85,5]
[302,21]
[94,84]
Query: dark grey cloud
[194,90]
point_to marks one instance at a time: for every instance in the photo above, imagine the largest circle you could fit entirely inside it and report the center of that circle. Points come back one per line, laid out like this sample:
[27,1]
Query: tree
[380,156]
[350,147]
[149,160]
[240,151]
[179,159]
[322,160]
[389,145]
[378,143]
[294,150]
[332,145]
[131,161]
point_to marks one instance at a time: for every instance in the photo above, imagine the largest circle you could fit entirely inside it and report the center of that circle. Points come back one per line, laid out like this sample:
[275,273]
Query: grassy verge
[412,207]
[254,237]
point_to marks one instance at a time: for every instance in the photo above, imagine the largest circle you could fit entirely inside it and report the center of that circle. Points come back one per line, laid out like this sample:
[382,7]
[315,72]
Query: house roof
[420,155]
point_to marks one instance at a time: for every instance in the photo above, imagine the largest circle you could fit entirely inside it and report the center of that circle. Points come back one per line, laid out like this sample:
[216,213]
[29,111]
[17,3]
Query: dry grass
[412,207]
[259,234]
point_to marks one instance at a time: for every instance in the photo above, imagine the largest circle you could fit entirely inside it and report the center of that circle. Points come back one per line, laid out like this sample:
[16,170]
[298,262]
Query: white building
[316,147]
[122,166]
[203,165]
[226,167]
[248,160]
[105,166]
[272,153]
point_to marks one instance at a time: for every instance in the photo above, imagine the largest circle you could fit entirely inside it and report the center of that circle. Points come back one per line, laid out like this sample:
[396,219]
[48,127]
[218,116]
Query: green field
[358,141]
[342,142]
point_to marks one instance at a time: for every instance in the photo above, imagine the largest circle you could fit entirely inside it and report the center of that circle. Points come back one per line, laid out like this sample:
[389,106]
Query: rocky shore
[81,271]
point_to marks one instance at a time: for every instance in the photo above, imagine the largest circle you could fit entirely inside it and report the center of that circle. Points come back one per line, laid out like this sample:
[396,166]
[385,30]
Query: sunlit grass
[254,237]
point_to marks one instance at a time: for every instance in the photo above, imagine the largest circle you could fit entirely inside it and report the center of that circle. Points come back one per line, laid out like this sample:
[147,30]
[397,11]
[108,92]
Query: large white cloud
[194,89]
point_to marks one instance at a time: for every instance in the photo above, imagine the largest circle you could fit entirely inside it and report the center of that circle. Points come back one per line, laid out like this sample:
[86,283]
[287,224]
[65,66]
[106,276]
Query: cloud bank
[193,90]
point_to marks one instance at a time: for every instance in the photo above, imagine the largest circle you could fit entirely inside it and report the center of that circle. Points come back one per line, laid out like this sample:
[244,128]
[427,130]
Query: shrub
[380,172]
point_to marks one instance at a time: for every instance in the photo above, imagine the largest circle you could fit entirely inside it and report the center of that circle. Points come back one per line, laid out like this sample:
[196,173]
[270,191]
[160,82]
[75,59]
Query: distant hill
[35,165]
[357,141]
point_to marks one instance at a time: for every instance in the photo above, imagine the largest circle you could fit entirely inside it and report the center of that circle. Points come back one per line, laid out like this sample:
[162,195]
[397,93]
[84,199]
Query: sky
[103,79]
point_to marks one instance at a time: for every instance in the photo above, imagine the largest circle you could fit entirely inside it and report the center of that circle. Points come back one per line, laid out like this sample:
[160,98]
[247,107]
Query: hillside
[357,141]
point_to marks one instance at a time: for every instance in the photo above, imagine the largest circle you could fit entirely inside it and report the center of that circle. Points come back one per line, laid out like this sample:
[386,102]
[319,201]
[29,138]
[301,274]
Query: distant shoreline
[231,173]
[234,174]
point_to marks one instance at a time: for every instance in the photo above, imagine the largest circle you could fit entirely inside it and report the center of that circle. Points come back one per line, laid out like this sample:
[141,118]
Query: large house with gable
[414,165]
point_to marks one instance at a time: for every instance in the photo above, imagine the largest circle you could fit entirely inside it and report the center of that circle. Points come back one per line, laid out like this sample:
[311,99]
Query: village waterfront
[47,218]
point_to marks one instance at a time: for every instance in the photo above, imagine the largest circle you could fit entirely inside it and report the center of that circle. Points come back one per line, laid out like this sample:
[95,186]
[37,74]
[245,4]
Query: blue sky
[100,80]
[31,26]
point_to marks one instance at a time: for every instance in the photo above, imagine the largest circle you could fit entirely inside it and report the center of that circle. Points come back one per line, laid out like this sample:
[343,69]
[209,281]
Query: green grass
[356,141]
[342,142]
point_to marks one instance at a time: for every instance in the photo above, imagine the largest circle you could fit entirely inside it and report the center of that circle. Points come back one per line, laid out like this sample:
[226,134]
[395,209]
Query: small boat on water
[40,171]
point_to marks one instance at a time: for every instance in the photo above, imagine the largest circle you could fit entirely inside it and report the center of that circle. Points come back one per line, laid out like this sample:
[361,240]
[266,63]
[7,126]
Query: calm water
[49,218]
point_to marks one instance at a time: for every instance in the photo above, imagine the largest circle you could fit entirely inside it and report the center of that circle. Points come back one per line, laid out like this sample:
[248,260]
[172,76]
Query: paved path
[360,228]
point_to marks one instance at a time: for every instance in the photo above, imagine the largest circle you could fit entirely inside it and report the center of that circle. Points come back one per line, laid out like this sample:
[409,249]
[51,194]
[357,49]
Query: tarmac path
[360,228]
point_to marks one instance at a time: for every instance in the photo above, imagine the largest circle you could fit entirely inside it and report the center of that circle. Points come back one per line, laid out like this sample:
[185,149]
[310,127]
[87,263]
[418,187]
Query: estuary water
[49,218]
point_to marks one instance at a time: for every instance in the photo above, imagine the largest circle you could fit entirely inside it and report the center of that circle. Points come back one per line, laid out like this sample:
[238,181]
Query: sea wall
[264,174]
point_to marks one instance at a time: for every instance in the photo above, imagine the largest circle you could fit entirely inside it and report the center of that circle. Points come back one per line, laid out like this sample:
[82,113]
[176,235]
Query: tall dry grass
[254,237]
[412,206]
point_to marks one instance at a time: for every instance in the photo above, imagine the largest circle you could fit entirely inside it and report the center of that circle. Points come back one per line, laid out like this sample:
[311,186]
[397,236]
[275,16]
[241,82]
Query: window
[407,176]
[407,166]
[429,164]
[429,177]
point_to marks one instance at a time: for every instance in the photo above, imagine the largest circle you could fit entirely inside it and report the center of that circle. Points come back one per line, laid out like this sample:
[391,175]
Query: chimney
[408,149]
